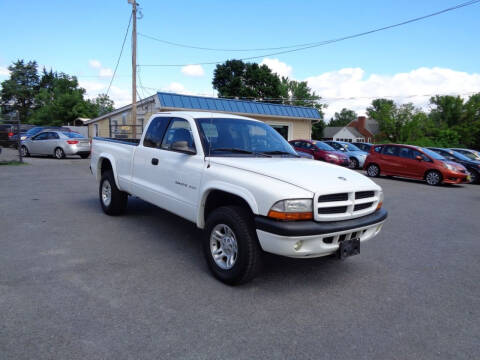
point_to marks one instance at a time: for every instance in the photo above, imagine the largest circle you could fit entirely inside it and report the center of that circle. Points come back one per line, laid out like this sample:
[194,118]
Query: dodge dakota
[243,184]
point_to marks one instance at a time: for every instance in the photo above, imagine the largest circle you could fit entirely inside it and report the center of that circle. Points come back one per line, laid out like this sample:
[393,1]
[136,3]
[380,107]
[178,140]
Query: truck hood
[312,175]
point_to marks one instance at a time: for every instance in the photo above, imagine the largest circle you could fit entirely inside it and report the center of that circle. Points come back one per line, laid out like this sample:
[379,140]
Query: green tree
[103,104]
[317,130]
[18,92]
[447,111]
[60,101]
[343,118]
[235,78]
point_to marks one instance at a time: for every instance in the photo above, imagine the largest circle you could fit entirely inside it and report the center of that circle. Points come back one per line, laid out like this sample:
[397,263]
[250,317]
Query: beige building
[292,122]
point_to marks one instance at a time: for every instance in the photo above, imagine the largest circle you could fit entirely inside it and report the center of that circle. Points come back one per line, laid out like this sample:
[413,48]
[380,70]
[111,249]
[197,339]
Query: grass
[12,163]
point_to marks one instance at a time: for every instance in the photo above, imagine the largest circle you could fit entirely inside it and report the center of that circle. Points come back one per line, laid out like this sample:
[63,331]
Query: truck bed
[133,142]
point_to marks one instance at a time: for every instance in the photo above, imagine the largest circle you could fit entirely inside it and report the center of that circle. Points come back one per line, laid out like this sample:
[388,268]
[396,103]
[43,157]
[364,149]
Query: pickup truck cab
[244,185]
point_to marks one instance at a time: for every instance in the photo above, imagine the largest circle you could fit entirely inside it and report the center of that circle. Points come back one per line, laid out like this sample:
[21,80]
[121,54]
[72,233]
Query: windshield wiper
[279,152]
[238,151]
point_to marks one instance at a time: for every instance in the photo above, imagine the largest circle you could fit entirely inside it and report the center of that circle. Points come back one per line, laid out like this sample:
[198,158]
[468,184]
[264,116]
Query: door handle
[154,161]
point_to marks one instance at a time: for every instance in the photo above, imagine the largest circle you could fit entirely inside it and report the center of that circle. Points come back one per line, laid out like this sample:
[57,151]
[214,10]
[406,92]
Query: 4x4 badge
[342,178]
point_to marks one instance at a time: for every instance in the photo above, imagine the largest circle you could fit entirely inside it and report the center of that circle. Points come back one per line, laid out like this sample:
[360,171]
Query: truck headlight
[292,209]
[380,199]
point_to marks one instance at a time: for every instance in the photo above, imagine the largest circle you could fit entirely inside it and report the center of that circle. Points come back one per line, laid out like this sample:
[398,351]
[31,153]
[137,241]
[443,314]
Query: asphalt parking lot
[77,284]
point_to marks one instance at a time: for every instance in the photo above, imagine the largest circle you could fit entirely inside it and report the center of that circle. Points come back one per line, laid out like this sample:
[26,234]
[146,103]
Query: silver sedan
[56,143]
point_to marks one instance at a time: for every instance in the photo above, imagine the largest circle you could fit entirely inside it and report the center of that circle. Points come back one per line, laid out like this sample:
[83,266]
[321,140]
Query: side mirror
[419,158]
[182,146]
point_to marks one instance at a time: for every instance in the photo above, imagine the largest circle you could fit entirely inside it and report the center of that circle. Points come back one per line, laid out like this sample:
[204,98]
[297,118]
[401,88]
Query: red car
[320,151]
[413,162]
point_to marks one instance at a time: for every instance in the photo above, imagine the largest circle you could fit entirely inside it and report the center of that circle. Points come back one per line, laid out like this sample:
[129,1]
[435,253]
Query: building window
[124,119]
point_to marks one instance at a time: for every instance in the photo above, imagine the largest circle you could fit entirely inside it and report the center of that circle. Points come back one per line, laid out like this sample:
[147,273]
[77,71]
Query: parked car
[472,166]
[472,154]
[241,182]
[355,155]
[305,155]
[6,133]
[363,146]
[414,162]
[37,129]
[56,143]
[320,151]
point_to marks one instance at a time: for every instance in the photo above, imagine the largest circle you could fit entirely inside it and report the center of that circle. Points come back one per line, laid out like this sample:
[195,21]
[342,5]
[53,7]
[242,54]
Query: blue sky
[439,54]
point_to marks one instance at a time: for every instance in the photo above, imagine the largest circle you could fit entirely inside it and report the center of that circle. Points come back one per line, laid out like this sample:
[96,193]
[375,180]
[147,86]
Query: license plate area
[347,248]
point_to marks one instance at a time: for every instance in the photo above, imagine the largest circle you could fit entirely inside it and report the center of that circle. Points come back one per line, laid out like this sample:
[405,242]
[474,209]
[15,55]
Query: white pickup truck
[244,185]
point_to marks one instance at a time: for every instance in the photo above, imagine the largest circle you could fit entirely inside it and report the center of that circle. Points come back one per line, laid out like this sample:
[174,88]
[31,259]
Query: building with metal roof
[290,121]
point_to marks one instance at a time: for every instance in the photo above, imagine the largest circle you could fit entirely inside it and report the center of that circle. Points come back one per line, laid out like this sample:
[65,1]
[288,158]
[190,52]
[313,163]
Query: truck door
[165,176]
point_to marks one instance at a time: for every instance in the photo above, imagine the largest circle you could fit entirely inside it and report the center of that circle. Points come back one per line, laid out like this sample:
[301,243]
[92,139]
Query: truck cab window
[156,130]
[178,130]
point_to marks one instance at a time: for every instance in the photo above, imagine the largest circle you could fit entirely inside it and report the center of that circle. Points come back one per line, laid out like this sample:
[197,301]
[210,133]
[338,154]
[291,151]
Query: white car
[243,184]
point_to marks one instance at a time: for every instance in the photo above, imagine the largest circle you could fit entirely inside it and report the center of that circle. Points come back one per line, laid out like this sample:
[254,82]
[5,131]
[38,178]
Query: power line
[120,55]
[300,47]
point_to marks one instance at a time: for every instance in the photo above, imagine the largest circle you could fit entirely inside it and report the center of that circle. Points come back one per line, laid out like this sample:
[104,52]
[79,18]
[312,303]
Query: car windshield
[240,137]
[323,146]
[460,156]
[33,131]
[433,154]
[350,147]
[73,135]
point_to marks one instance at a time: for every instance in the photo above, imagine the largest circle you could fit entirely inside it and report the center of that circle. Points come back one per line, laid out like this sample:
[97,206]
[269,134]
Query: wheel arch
[220,195]
[106,162]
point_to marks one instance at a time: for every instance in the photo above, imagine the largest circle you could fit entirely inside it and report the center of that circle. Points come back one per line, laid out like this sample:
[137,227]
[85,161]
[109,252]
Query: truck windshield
[239,137]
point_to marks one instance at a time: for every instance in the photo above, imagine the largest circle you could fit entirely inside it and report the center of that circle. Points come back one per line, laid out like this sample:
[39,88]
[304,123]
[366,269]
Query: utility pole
[134,67]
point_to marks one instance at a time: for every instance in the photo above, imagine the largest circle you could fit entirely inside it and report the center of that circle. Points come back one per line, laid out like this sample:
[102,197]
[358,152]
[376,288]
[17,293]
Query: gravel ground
[77,284]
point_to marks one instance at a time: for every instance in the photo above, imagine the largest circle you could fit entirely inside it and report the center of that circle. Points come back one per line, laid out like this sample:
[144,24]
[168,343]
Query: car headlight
[448,166]
[292,209]
[23,137]
[380,199]
[333,156]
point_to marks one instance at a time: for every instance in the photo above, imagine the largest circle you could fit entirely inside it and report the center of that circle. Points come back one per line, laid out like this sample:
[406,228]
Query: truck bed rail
[133,142]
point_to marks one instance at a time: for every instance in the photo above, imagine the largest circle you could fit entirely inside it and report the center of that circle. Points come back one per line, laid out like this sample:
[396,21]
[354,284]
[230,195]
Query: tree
[60,101]
[447,111]
[103,104]
[343,118]
[235,78]
[317,130]
[18,92]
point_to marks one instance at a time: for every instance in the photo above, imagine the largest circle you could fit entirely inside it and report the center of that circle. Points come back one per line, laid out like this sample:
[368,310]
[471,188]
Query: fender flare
[110,158]
[228,188]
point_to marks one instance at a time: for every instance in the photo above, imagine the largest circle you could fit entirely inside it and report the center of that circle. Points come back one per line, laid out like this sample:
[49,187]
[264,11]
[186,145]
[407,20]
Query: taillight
[72,142]
[10,134]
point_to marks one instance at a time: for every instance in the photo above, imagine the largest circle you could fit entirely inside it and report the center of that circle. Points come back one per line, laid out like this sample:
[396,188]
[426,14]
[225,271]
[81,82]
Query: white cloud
[105,72]
[193,70]
[119,95]
[356,91]
[176,87]
[4,71]
[281,68]
[95,64]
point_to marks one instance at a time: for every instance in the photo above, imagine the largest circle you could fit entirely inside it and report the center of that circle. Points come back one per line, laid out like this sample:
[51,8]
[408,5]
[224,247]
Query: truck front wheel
[113,201]
[230,245]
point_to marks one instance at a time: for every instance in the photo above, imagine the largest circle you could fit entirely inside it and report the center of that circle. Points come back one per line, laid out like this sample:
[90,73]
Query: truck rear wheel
[113,201]
[230,245]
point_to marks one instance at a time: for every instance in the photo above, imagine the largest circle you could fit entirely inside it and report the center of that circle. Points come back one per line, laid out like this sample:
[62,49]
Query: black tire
[24,151]
[373,170]
[84,156]
[118,199]
[433,177]
[353,163]
[248,258]
[58,153]
[475,177]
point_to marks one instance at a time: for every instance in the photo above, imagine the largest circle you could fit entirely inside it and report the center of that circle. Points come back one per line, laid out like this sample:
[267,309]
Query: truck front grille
[345,205]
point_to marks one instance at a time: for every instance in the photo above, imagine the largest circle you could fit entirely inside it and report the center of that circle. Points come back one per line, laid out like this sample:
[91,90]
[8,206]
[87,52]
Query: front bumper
[314,239]
[454,177]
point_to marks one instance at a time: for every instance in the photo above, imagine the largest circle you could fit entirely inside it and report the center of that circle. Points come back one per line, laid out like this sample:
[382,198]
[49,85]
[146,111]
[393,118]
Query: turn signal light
[290,216]
[379,205]
[72,142]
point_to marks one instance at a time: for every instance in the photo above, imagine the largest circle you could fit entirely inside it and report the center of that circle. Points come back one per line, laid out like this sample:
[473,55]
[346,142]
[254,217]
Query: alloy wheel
[223,246]
[106,193]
